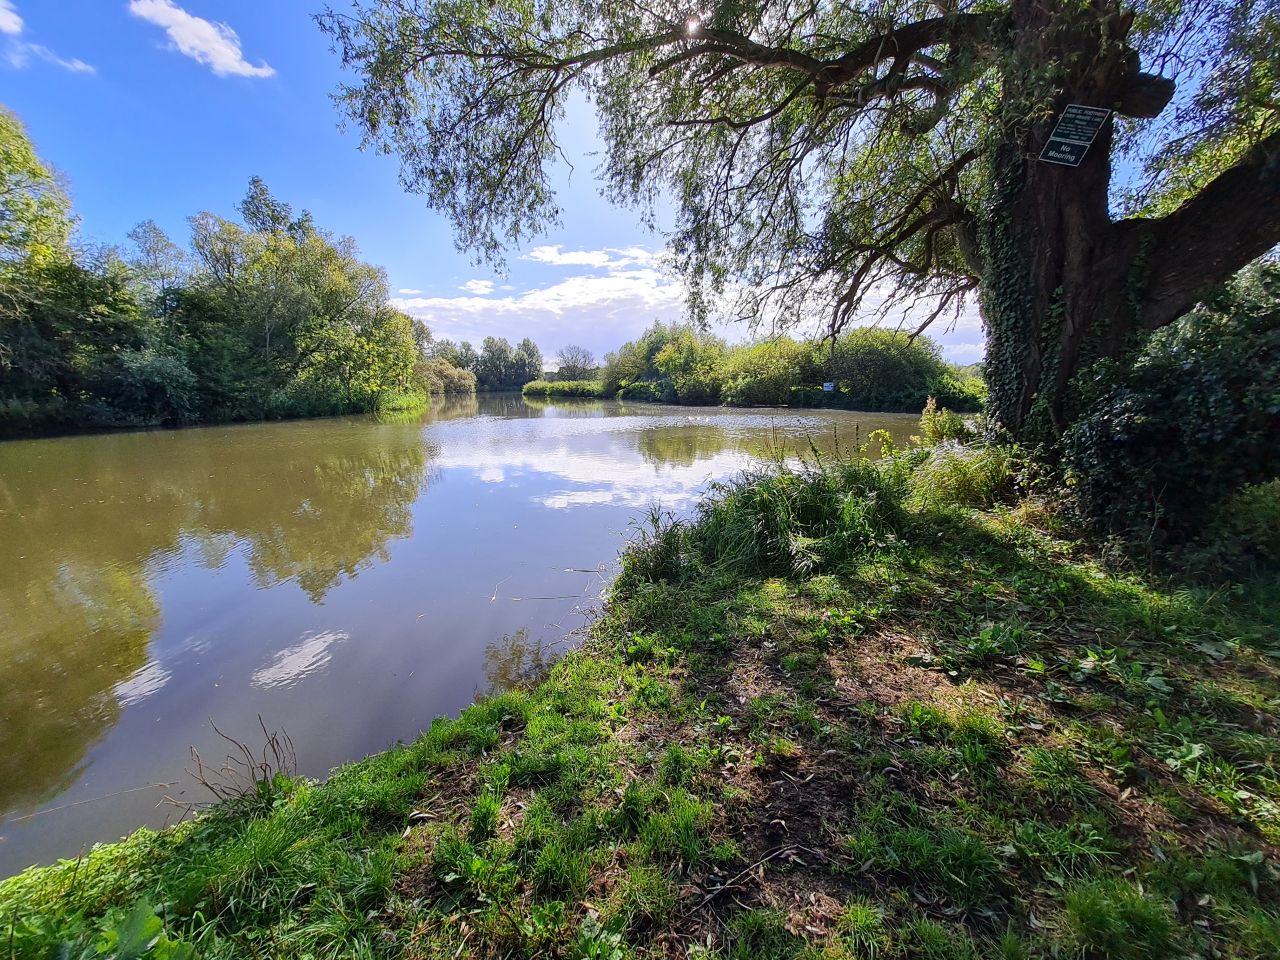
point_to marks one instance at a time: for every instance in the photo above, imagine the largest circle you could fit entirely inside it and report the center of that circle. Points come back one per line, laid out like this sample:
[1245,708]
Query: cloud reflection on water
[293,664]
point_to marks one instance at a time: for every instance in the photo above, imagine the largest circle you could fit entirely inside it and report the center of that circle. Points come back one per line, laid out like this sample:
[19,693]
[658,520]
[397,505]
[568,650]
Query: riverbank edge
[886,722]
[799,398]
[396,405]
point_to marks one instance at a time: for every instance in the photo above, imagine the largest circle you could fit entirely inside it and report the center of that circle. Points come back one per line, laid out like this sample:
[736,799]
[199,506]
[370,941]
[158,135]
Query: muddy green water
[346,580]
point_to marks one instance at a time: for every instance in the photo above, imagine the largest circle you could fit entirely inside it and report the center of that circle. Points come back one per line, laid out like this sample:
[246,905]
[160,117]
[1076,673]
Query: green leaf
[136,935]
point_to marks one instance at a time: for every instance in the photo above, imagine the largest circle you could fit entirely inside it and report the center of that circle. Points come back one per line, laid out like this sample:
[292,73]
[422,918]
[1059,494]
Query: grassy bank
[853,711]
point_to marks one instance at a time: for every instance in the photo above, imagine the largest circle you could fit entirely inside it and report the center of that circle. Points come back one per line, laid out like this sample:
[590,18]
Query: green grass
[826,718]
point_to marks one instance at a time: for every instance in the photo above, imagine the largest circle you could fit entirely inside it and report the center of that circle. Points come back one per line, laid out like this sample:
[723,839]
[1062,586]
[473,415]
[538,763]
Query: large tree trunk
[1054,294]
[1064,285]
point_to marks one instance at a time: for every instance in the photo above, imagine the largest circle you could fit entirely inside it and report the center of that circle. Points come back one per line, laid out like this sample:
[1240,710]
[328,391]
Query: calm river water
[346,580]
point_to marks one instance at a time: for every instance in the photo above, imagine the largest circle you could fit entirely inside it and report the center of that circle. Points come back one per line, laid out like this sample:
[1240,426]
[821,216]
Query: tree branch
[903,45]
[1224,227]
[1145,95]
[906,42]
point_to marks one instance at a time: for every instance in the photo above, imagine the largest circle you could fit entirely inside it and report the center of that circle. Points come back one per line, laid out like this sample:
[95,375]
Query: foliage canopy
[269,317]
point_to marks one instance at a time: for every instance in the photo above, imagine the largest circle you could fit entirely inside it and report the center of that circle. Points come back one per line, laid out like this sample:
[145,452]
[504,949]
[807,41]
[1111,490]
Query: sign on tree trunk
[1076,129]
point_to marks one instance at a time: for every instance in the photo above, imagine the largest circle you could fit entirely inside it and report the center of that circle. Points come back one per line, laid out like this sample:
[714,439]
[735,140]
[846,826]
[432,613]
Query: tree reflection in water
[513,660]
[87,524]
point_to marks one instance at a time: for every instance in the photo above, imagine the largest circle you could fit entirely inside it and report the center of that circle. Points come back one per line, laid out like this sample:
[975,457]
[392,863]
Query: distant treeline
[870,369]
[497,366]
[270,316]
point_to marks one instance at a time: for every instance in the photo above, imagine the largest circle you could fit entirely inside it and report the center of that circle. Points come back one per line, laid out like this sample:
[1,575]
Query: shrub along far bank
[870,369]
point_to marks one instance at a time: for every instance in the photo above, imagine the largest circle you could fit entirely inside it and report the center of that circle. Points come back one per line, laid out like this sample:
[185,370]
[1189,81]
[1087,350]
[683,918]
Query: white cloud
[572,258]
[18,53]
[611,257]
[214,44]
[599,311]
[965,352]
[408,291]
[10,22]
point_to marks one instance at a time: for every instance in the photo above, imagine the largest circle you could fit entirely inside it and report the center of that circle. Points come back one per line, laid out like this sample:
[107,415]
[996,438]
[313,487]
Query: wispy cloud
[214,44]
[18,53]
[966,352]
[408,291]
[22,53]
[479,287]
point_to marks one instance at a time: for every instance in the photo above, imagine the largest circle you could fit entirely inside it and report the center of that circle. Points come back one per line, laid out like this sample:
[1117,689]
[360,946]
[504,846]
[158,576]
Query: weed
[930,940]
[559,872]
[755,934]
[1064,851]
[484,816]
[676,767]
[925,722]
[643,897]
[1056,774]
[862,926]
[1112,919]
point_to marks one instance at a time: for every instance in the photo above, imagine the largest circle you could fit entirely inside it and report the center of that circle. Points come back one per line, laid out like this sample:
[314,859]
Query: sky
[160,109]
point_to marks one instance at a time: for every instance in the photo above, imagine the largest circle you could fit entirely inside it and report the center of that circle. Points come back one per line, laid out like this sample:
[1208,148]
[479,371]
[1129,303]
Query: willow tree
[825,156]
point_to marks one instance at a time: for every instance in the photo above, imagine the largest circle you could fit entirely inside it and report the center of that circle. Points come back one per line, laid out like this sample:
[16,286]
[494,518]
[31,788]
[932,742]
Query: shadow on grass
[981,729]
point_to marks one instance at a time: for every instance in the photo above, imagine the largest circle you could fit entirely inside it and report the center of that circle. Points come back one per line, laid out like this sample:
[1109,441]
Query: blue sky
[162,108]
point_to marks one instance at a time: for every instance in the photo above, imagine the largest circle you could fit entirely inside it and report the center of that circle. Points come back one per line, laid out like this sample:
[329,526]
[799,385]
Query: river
[345,579]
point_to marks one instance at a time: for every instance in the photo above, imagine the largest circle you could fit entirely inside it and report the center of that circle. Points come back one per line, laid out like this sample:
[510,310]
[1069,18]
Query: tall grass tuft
[777,520]
[959,475]
[784,520]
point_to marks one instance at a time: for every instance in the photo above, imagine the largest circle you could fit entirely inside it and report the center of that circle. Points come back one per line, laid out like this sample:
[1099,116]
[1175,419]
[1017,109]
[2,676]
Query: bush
[647,390]
[937,425]
[439,377]
[22,417]
[1196,416]
[1243,534]
[961,391]
[669,364]
[589,389]
[884,370]
[763,374]
[633,362]
[312,398]
[151,386]
[692,364]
